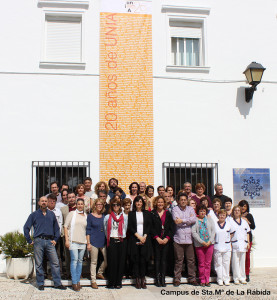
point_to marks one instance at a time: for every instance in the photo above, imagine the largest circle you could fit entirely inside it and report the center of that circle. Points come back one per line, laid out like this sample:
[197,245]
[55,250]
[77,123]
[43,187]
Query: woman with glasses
[96,240]
[139,226]
[75,239]
[115,224]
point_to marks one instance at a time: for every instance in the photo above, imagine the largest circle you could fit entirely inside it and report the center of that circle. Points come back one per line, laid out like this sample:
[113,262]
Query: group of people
[130,230]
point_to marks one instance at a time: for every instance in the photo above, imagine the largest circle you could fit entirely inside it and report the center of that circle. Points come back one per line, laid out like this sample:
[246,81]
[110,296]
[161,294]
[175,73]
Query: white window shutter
[63,39]
[185,30]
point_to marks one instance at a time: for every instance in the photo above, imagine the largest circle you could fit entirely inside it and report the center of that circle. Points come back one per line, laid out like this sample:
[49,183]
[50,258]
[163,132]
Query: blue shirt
[112,194]
[95,229]
[46,225]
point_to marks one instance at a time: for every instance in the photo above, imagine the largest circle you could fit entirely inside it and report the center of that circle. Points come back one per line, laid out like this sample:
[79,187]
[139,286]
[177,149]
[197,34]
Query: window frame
[187,15]
[56,14]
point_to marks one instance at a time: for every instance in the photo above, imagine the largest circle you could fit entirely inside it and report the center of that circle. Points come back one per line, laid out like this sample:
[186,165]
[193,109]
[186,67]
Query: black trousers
[116,255]
[160,257]
[139,263]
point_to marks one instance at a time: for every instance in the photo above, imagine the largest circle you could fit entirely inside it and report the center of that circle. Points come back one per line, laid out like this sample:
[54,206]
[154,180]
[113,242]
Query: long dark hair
[137,200]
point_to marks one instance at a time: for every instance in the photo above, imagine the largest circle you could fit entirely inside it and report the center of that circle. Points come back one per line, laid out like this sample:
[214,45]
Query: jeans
[76,262]
[45,246]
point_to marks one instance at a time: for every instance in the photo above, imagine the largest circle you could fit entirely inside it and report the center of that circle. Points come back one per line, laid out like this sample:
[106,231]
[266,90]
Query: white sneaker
[243,281]
[220,282]
[227,283]
[236,282]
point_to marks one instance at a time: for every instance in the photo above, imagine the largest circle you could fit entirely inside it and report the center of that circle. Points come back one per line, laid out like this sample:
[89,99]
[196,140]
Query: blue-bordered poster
[252,185]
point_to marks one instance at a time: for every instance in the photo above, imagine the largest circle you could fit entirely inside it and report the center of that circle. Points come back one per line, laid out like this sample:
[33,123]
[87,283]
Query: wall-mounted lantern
[253,73]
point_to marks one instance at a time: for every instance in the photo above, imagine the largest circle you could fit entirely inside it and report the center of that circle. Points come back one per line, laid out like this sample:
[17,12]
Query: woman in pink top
[200,189]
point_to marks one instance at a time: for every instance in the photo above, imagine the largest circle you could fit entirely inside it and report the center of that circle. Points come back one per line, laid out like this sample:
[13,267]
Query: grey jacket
[197,241]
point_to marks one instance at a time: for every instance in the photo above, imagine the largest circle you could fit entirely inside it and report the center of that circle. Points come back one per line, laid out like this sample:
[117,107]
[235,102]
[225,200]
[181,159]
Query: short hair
[217,200]
[80,199]
[113,201]
[137,198]
[118,189]
[126,201]
[147,189]
[170,186]
[216,185]
[98,184]
[54,182]
[222,211]
[200,185]
[190,201]
[111,180]
[155,202]
[70,192]
[244,202]
[201,207]
[182,195]
[87,178]
[130,186]
[235,207]
[187,183]
[93,207]
[228,200]
[204,199]
[159,187]
[52,197]
[142,182]
[78,186]
[102,191]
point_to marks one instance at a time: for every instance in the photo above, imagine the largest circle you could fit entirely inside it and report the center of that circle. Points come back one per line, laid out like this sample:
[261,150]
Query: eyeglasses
[116,204]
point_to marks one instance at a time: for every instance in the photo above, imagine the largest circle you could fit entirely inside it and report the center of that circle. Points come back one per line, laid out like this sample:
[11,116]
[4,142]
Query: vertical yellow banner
[126,97]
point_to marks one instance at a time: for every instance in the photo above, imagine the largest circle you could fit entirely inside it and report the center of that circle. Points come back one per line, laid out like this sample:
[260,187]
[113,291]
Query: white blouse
[239,240]
[222,237]
[139,216]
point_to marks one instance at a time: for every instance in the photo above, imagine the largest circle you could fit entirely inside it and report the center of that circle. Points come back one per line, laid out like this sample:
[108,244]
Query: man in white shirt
[88,184]
[52,200]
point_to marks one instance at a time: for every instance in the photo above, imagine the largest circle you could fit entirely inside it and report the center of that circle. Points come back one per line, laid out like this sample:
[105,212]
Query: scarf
[120,226]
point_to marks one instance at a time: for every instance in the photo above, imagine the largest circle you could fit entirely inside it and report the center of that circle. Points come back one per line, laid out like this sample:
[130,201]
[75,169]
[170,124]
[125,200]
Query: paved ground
[261,279]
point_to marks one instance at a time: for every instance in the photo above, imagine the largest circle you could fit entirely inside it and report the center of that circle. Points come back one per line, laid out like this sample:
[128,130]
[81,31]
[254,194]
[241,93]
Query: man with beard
[113,184]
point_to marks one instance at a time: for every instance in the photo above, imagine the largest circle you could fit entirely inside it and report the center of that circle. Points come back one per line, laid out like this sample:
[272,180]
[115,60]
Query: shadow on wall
[241,104]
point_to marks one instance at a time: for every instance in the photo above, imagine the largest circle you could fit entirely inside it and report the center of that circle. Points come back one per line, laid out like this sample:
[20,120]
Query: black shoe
[158,280]
[247,278]
[163,284]
[110,287]
[60,287]
[194,283]
[41,287]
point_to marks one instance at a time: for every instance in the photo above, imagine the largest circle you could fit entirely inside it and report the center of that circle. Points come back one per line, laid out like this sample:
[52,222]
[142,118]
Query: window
[186,38]
[177,174]
[45,172]
[186,44]
[63,38]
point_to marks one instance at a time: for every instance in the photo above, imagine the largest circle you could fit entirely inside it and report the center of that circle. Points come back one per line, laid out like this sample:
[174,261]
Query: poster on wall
[252,185]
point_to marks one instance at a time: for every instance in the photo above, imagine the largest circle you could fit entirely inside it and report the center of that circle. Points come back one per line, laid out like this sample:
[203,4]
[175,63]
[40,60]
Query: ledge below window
[62,65]
[183,69]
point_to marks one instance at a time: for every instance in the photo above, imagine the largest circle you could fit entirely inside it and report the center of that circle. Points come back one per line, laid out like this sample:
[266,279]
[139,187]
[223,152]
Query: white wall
[56,117]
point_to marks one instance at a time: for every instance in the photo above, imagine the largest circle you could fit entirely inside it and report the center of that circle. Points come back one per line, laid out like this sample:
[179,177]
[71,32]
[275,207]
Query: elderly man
[46,235]
[188,190]
[184,217]
[219,194]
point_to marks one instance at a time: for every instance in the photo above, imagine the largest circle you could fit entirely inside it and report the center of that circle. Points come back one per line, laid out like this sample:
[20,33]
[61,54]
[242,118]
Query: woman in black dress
[162,232]
[139,226]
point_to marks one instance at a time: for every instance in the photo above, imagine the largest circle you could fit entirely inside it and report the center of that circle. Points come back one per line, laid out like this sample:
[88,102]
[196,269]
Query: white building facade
[49,70]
